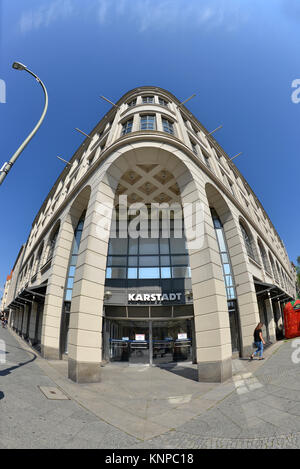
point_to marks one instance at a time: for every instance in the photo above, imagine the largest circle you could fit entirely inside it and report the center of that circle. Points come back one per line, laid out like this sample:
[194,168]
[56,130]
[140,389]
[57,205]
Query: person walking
[259,341]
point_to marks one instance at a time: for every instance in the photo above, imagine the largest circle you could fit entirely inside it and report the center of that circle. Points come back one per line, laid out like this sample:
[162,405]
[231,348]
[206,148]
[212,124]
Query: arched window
[65,321]
[229,281]
[248,241]
[263,256]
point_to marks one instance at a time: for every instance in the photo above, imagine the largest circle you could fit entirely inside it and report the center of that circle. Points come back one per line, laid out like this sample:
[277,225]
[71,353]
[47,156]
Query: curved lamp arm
[7,166]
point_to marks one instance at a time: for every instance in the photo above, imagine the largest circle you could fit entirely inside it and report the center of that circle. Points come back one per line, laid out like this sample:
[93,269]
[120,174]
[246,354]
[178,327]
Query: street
[258,408]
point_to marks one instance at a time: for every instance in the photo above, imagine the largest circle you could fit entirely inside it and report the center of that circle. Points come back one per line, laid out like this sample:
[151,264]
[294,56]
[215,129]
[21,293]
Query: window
[231,187]
[52,244]
[127,127]
[264,256]
[227,270]
[73,259]
[206,161]
[148,258]
[228,280]
[148,99]
[132,103]
[163,102]
[38,258]
[248,242]
[194,147]
[148,122]
[246,203]
[167,126]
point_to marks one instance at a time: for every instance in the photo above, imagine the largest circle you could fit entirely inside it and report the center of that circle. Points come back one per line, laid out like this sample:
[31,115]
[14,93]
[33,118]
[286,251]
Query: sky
[240,58]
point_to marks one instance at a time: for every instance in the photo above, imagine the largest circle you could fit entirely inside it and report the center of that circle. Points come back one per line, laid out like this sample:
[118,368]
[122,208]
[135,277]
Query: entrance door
[148,342]
[172,341]
[234,326]
[129,341]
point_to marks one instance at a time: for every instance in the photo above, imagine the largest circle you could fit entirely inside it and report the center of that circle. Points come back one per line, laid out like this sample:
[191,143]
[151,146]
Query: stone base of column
[83,372]
[273,339]
[50,353]
[215,372]
[247,351]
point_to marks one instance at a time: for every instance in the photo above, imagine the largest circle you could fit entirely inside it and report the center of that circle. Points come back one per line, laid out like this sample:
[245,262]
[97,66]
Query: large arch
[213,349]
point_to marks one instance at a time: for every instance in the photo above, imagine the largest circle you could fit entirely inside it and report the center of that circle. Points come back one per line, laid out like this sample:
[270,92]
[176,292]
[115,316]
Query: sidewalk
[149,407]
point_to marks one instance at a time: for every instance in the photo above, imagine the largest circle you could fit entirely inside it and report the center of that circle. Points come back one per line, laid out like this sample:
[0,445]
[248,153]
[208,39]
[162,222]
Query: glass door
[139,343]
[129,342]
[172,341]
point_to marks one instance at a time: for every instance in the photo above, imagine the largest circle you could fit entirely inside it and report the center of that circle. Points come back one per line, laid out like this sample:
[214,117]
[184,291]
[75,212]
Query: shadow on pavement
[8,371]
[184,372]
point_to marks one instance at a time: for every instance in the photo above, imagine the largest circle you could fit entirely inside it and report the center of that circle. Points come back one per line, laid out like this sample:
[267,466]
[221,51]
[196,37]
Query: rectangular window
[116,272]
[117,246]
[148,122]
[132,103]
[127,127]
[146,261]
[148,246]
[167,126]
[206,161]
[149,272]
[178,246]
[181,272]
[132,273]
[148,99]
[163,102]
[117,261]
[194,148]
[165,272]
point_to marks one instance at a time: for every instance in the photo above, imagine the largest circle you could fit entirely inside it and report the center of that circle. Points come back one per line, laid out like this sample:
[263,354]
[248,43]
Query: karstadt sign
[152,297]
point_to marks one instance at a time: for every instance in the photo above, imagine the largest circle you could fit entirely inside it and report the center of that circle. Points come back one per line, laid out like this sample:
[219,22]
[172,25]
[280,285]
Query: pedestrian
[259,341]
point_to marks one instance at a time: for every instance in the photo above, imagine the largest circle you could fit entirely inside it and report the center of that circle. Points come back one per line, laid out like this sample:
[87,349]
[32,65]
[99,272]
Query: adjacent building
[150,248]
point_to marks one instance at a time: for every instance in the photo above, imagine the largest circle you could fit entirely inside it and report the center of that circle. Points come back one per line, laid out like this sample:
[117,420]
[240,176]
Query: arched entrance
[149,172]
[148,308]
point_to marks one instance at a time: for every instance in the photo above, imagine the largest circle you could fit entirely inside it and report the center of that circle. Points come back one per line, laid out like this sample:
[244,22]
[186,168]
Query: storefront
[149,340]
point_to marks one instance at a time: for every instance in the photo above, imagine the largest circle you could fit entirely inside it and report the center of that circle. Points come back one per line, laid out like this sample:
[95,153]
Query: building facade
[3,303]
[150,248]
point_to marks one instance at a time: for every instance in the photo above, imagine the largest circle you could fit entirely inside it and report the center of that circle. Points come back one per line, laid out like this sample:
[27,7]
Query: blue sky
[239,56]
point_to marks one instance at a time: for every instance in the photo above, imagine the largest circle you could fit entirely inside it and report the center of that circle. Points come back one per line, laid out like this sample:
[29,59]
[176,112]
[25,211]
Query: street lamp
[7,166]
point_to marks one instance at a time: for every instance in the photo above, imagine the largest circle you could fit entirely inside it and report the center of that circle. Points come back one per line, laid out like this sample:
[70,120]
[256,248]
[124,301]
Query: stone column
[25,318]
[245,289]
[85,341]
[33,318]
[212,328]
[55,293]
[270,319]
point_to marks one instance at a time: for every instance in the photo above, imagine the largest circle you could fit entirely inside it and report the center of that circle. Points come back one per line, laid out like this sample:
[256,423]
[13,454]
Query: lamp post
[7,166]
